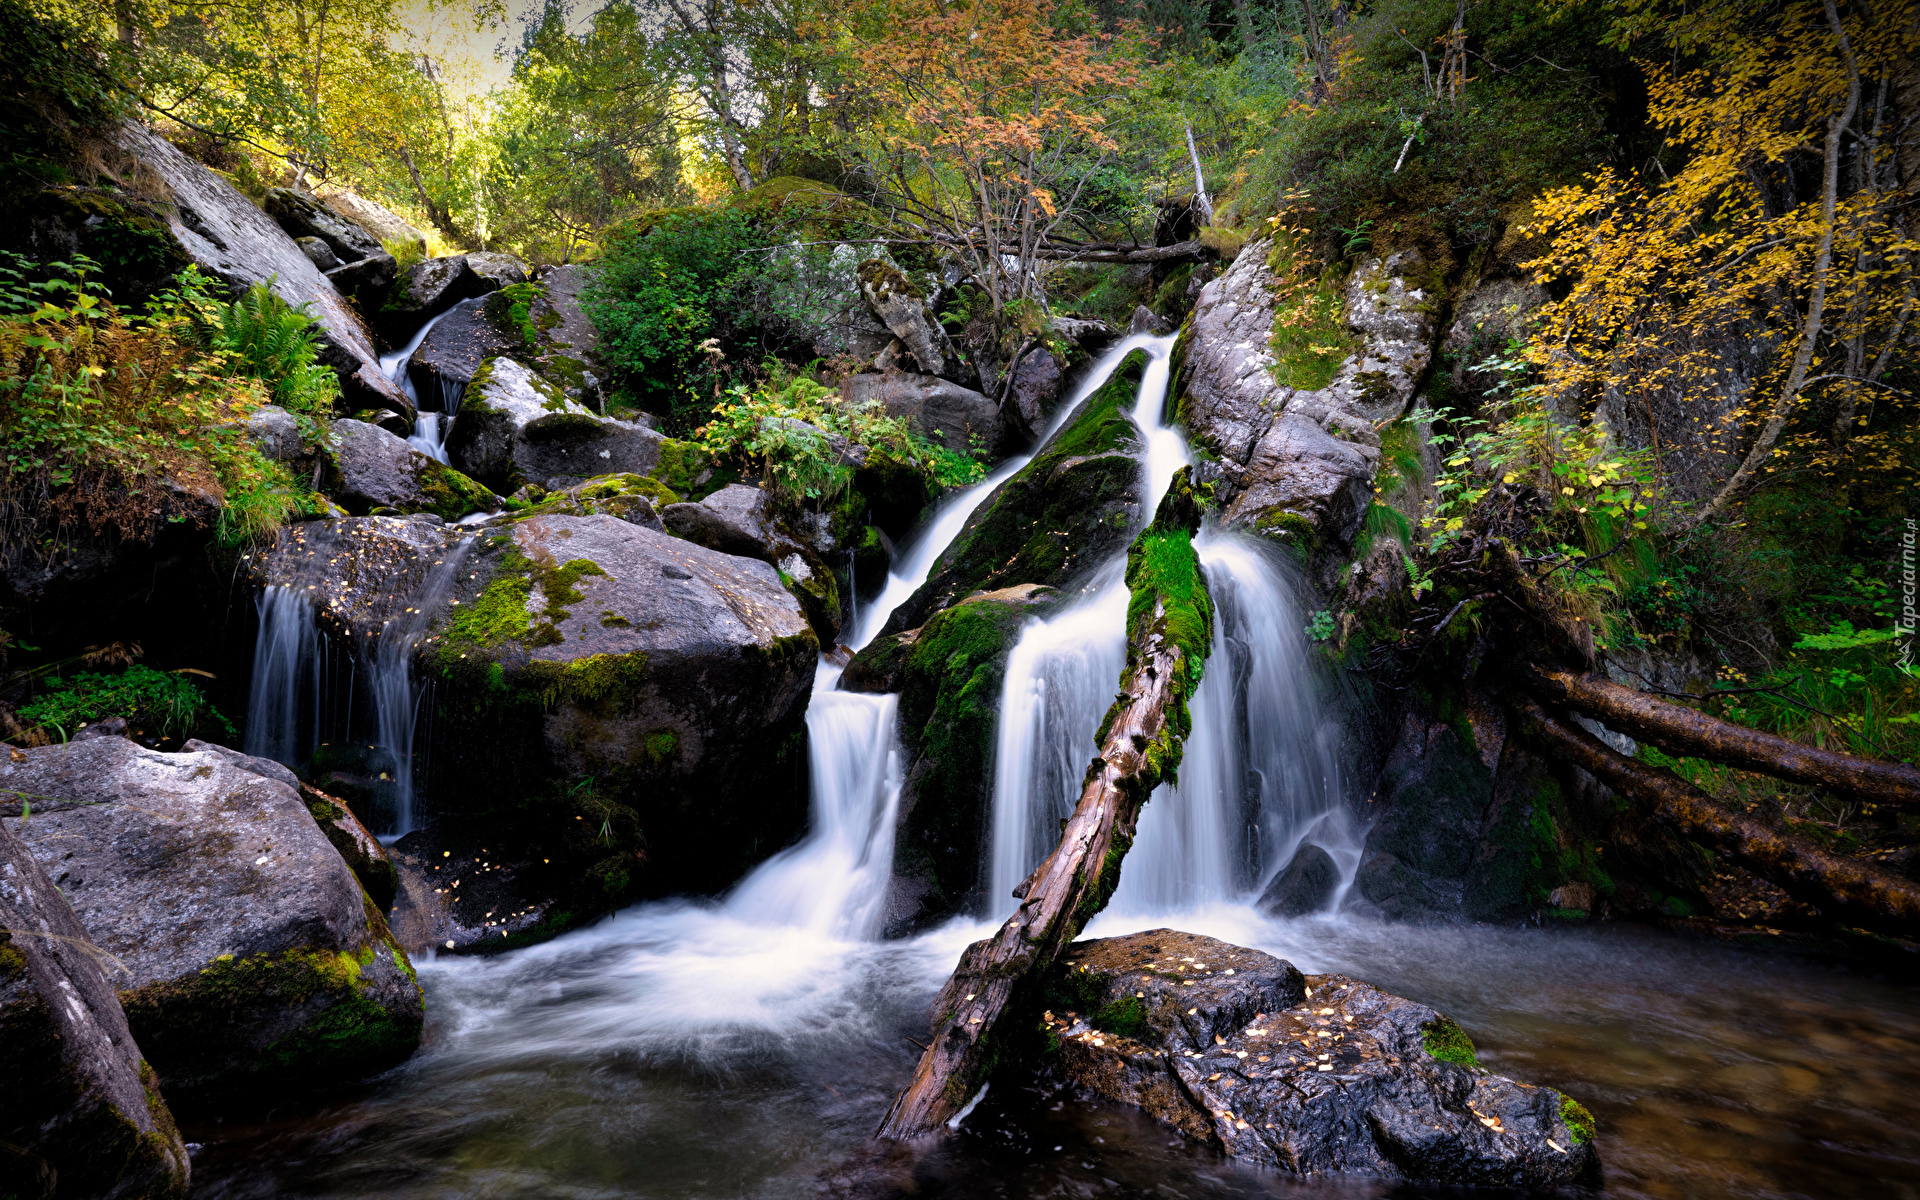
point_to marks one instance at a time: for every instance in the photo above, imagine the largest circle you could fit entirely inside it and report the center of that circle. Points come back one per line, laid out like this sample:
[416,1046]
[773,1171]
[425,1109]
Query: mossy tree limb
[1169,636]
[1844,889]
[1684,732]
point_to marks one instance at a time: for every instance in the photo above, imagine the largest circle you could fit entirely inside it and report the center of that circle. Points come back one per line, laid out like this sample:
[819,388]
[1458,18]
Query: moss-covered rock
[1070,509]
[515,427]
[374,469]
[254,958]
[673,677]
[948,674]
[81,1113]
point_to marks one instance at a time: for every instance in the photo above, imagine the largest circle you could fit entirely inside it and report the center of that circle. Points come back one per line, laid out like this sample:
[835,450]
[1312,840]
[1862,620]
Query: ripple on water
[676,1051]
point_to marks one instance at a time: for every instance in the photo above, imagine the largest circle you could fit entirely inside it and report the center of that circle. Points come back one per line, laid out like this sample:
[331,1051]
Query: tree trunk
[987,995]
[1683,732]
[1844,889]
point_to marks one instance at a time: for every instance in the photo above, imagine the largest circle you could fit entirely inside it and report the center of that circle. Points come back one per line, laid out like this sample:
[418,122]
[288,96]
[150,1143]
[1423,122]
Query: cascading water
[1258,777]
[430,429]
[284,701]
[397,696]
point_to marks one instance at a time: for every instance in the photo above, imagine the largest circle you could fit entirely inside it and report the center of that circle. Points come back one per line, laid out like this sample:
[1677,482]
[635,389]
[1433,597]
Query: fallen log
[1169,634]
[1846,890]
[1684,732]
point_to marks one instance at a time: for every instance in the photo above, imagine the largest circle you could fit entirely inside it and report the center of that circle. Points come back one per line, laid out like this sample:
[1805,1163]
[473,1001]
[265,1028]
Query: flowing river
[748,1046]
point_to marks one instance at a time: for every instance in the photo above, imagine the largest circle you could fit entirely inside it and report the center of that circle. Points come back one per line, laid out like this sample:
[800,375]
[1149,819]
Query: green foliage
[1125,1017]
[277,343]
[1322,627]
[150,700]
[794,429]
[59,88]
[1448,1042]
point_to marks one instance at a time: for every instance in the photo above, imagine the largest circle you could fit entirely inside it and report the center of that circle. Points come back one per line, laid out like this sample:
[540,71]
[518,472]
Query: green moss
[1291,530]
[1125,1017]
[688,470]
[564,427]
[1311,340]
[1448,1042]
[1578,1120]
[449,494]
[602,683]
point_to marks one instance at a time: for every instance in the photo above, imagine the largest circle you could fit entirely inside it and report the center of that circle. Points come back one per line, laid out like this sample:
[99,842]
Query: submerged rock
[81,1113]
[1072,508]
[1305,885]
[1317,1074]
[254,958]
[515,427]
[377,469]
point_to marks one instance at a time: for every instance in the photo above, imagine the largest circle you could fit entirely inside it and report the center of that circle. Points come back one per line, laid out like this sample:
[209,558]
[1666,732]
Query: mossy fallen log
[1684,732]
[1169,635]
[1844,889]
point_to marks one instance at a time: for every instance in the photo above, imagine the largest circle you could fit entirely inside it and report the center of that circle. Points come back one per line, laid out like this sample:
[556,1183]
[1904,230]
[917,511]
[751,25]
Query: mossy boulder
[515,427]
[254,959]
[949,674]
[376,469]
[1070,509]
[672,676]
[81,1114]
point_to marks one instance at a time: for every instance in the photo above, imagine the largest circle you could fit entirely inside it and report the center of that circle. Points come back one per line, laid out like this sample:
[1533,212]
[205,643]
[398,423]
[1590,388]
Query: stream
[747,1046]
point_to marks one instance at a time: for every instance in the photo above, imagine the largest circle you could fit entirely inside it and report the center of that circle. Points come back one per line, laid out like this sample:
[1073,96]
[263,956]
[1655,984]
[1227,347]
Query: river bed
[676,1051]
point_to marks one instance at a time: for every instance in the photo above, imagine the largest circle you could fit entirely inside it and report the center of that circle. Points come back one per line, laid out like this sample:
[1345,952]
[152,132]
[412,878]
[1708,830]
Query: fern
[274,342]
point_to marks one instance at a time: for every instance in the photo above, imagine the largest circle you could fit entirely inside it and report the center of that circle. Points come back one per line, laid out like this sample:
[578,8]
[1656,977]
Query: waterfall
[397,696]
[430,429]
[1260,776]
[835,882]
[286,678]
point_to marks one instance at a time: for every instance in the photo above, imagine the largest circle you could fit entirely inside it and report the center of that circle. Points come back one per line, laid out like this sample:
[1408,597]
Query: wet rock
[220,229]
[1318,1074]
[81,1114]
[1070,509]
[673,675]
[739,519]
[448,358]
[376,469]
[424,291]
[1306,885]
[383,223]
[255,960]
[1304,486]
[359,849]
[940,411]
[902,308]
[360,572]
[515,426]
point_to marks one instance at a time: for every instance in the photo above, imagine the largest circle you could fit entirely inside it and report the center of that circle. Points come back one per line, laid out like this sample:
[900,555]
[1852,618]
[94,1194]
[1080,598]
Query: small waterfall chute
[283,703]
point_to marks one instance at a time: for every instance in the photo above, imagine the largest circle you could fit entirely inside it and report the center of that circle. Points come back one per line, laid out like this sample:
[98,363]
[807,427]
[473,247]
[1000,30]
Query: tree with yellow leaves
[1788,227]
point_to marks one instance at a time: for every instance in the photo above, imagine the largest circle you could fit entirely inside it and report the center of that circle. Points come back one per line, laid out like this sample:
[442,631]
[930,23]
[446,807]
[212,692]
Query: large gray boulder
[302,215]
[448,357]
[941,411]
[516,427]
[497,268]
[81,1114]
[220,229]
[376,469]
[1298,463]
[1313,1075]
[253,956]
